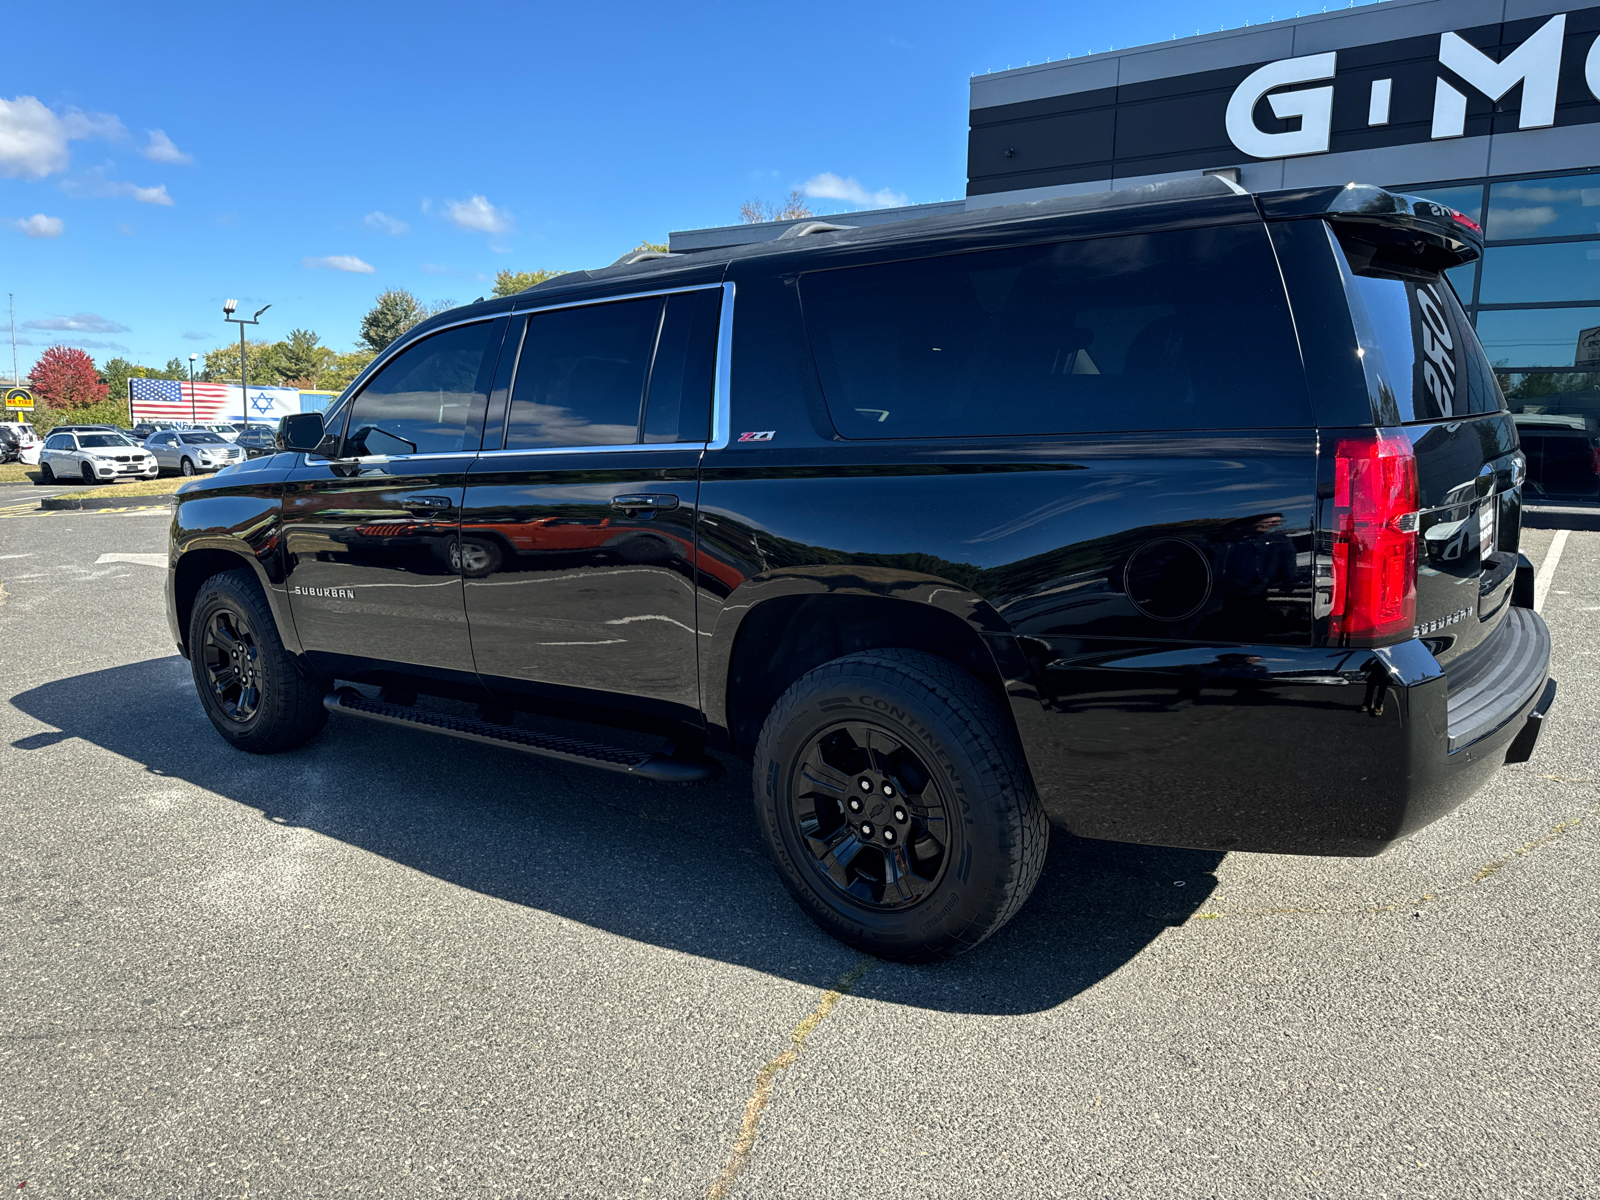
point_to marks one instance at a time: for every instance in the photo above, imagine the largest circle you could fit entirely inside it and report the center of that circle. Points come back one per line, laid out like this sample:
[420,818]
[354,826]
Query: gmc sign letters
[1535,64]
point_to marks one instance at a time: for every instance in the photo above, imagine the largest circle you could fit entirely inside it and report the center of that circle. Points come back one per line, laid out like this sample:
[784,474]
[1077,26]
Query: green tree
[394,312]
[345,367]
[304,358]
[509,283]
[658,247]
[176,368]
[115,373]
[222,365]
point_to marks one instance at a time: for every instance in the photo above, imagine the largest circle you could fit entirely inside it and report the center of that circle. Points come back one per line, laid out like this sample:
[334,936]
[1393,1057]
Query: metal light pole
[193,420]
[228,307]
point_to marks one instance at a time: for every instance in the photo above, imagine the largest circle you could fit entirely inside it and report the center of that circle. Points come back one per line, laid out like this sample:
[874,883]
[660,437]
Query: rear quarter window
[1164,331]
[1419,343]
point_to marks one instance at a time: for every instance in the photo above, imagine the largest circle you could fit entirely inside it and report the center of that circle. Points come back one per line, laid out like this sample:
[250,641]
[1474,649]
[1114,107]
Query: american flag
[169,400]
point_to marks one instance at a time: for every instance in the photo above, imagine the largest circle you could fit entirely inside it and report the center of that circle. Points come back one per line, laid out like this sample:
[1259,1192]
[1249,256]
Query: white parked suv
[28,442]
[93,458]
[190,450]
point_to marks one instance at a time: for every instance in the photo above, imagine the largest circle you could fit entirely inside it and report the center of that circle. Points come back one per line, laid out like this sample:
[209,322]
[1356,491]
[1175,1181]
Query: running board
[667,765]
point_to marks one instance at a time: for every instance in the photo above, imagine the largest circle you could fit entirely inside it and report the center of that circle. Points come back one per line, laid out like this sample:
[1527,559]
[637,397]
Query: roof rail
[639,256]
[807,228]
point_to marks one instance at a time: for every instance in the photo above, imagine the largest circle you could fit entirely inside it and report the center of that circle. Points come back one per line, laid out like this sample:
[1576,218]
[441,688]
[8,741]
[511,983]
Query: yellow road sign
[19,397]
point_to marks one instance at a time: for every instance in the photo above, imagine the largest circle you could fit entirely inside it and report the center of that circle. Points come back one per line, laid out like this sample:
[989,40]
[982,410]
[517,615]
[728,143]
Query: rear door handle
[427,503]
[655,501]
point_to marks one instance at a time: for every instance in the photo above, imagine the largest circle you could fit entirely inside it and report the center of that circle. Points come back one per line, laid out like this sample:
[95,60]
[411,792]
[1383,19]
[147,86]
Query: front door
[370,536]
[577,537]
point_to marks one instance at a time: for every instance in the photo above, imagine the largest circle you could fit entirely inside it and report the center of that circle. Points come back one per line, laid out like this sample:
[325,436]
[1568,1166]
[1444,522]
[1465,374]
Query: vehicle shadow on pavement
[678,867]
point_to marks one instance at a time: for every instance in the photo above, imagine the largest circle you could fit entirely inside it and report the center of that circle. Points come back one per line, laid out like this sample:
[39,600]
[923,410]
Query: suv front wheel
[251,688]
[893,793]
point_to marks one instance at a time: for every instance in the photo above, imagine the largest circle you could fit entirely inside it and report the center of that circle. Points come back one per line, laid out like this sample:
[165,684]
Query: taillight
[1461,218]
[1374,540]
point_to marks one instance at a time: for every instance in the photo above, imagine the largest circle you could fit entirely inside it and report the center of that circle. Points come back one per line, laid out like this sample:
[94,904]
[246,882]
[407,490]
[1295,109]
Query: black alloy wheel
[871,815]
[88,473]
[256,694]
[186,467]
[897,804]
[231,661]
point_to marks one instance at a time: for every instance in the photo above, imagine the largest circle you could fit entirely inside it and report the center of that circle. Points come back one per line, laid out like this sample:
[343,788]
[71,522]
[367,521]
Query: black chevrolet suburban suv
[1174,515]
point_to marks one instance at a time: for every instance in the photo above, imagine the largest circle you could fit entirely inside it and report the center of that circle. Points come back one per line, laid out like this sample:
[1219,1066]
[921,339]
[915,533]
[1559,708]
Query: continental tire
[252,690]
[897,805]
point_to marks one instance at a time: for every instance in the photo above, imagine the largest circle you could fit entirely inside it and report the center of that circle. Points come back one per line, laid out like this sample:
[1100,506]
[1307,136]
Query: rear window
[1418,342]
[1164,331]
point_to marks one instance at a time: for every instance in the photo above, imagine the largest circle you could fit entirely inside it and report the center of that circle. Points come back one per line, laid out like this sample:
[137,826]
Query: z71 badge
[766,435]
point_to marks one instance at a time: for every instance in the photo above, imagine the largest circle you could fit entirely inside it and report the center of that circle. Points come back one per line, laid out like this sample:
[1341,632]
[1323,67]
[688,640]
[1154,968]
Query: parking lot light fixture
[228,307]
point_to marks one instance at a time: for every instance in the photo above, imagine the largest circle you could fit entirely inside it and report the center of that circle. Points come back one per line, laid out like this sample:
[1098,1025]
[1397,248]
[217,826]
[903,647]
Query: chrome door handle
[427,503]
[655,501]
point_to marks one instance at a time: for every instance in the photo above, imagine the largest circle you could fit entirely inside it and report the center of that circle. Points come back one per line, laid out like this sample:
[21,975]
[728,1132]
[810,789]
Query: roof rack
[807,228]
[639,256]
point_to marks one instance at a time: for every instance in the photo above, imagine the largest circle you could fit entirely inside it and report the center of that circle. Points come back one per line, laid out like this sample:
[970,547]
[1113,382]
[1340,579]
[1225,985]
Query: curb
[59,503]
[1557,517]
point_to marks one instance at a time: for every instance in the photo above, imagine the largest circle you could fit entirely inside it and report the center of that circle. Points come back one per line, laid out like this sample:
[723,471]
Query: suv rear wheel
[249,685]
[900,812]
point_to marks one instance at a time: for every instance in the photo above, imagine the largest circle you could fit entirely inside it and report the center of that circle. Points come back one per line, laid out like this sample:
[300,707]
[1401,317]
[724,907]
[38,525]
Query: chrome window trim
[629,447]
[721,388]
[616,299]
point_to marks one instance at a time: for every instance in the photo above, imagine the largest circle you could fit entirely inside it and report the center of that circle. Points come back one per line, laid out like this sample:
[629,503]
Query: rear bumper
[1270,748]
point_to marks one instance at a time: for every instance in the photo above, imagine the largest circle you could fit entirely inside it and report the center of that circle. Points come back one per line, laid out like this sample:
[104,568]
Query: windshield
[102,441]
[200,439]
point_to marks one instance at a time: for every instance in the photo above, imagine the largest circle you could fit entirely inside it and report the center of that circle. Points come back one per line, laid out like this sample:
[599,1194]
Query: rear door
[370,535]
[577,538]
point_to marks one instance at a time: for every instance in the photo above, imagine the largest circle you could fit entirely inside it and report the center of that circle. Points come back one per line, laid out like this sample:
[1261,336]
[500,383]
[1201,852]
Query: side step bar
[667,765]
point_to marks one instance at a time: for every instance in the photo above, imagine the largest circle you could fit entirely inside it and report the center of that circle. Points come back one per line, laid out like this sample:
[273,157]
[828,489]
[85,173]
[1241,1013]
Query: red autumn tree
[64,377]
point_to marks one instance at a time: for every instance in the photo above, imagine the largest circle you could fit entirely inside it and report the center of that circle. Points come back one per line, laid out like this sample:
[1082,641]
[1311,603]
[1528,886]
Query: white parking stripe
[144,560]
[1547,569]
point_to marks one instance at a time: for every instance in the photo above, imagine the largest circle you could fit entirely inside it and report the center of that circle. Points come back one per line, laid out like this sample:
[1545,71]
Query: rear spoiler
[1428,234]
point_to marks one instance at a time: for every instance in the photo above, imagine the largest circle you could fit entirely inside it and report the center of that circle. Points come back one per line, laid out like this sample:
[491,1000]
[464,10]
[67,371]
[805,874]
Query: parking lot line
[1547,569]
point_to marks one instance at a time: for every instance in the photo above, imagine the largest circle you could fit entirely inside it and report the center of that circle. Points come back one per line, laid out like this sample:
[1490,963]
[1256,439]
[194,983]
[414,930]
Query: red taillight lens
[1462,219]
[1374,540]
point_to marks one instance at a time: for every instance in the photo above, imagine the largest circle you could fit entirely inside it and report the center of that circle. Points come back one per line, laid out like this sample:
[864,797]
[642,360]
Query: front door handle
[427,504]
[653,501]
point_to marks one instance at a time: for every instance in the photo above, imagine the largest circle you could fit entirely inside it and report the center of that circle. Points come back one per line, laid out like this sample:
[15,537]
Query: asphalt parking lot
[389,965]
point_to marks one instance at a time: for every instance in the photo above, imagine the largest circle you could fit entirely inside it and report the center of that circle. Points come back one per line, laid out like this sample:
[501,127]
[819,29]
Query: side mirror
[300,431]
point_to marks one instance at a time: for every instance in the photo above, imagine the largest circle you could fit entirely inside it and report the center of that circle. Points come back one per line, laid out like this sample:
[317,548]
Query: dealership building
[1489,106]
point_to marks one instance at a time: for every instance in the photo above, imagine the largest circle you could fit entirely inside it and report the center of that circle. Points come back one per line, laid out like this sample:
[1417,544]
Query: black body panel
[1147,602]
[573,593]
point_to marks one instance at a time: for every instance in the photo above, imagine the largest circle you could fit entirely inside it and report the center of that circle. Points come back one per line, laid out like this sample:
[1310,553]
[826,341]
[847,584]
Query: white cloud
[437,269]
[81,125]
[338,262]
[477,215]
[829,186]
[124,229]
[78,323]
[90,344]
[95,183]
[393,226]
[191,336]
[161,149]
[33,139]
[40,226]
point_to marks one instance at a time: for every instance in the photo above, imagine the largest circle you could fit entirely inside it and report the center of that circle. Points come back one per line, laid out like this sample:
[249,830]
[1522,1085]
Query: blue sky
[310,155]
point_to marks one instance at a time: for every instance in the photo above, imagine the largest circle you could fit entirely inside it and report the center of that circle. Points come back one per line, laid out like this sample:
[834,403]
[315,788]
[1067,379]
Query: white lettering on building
[1536,65]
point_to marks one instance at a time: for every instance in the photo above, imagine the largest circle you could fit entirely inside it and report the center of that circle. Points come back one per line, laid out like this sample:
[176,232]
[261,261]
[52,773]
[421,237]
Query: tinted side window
[681,378]
[59,442]
[1429,357]
[581,376]
[1165,331]
[419,403]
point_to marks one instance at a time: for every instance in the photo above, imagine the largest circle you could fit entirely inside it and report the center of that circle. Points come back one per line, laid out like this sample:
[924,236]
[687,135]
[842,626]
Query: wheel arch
[775,628]
[216,533]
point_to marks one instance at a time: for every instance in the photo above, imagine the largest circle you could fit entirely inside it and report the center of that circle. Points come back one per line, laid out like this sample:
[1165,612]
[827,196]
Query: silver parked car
[93,458]
[190,450]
